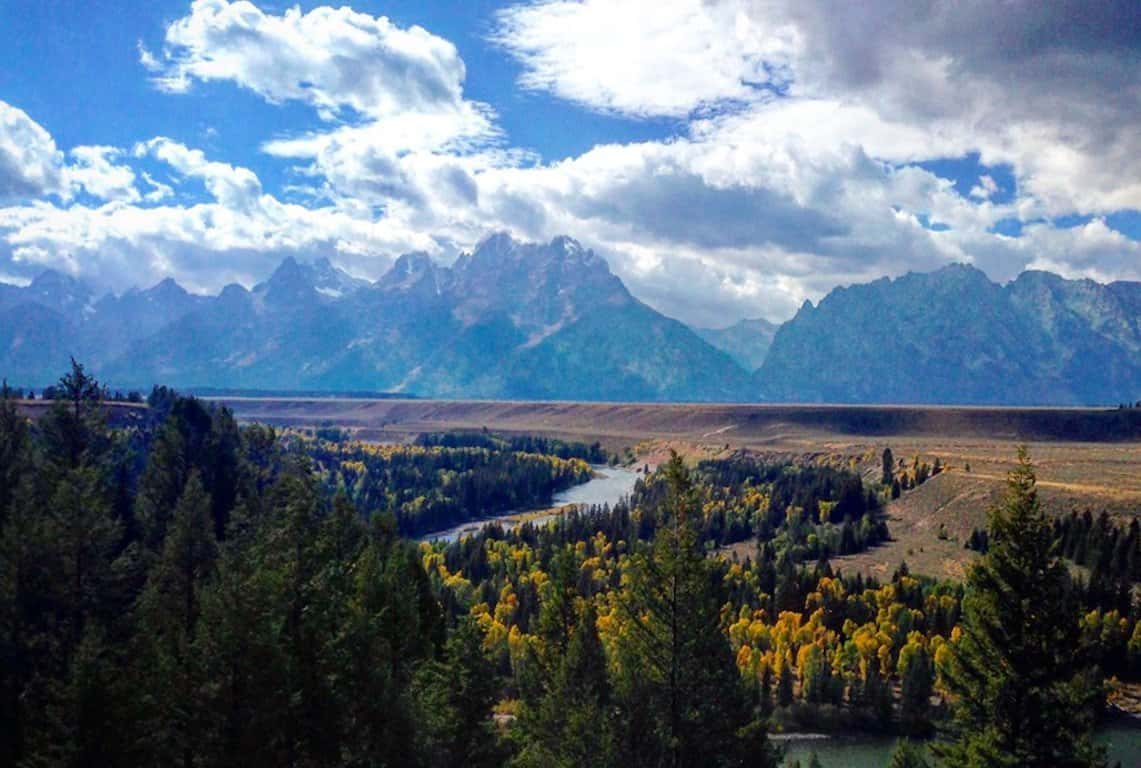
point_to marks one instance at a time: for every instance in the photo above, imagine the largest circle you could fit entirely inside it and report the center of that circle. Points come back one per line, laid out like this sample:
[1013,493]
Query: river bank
[1121,737]
[607,485]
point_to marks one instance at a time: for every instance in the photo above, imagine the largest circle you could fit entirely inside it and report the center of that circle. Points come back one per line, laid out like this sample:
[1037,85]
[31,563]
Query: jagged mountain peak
[333,281]
[166,289]
[295,281]
[955,336]
[51,279]
[519,319]
[501,250]
[412,271]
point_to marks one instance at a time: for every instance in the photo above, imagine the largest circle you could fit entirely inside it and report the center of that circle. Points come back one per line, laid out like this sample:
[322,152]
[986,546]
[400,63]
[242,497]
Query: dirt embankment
[732,424]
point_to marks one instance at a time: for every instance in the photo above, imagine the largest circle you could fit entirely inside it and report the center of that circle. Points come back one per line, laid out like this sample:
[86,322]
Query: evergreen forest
[179,589]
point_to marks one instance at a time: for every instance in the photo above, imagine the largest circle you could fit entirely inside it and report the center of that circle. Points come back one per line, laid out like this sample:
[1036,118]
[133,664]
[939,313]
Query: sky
[729,158]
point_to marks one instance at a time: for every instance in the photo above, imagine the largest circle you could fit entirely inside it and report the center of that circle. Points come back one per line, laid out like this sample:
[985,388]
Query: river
[1122,740]
[606,486]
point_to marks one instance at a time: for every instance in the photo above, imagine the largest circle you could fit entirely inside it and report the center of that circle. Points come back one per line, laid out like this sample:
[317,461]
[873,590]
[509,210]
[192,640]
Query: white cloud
[158,191]
[239,234]
[95,170]
[30,164]
[408,133]
[757,202]
[985,188]
[235,188]
[1050,88]
[331,59]
[631,58]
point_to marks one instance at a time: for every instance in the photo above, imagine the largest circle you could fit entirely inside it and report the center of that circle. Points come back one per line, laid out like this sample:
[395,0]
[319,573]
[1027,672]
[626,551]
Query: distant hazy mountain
[746,341]
[509,320]
[953,336]
[550,321]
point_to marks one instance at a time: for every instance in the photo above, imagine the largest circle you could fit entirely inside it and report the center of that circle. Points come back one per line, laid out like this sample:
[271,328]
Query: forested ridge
[430,487]
[182,590]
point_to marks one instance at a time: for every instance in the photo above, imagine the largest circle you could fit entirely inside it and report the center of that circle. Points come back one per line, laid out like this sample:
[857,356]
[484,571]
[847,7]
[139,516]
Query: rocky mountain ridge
[551,321]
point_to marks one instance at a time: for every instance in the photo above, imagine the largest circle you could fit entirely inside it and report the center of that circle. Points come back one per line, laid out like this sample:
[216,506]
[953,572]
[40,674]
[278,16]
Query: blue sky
[85,81]
[727,162]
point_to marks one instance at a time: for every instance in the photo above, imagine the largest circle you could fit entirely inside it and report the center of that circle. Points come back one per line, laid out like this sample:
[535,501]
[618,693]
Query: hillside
[510,319]
[953,336]
[550,321]
[746,341]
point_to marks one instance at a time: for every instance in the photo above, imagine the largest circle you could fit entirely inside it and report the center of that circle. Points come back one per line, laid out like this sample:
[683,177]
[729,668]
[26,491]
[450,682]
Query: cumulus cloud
[1050,88]
[30,164]
[399,133]
[666,60]
[98,171]
[238,235]
[331,59]
[235,188]
[795,163]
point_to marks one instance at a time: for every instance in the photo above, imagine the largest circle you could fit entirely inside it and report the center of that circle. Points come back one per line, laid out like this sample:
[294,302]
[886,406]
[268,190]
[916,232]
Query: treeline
[897,477]
[815,647]
[430,488]
[548,446]
[1109,552]
[185,591]
[812,512]
[188,593]
[56,392]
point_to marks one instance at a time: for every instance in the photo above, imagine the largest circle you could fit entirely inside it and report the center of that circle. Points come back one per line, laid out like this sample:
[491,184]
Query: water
[607,486]
[1123,740]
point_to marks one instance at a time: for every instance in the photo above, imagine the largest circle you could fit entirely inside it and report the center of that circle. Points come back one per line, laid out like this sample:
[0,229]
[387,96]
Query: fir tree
[917,677]
[566,723]
[675,654]
[453,705]
[908,754]
[171,665]
[1021,692]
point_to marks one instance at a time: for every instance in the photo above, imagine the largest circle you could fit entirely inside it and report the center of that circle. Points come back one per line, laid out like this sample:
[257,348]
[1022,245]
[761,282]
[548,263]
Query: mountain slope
[746,341]
[551,321]
[510,319]
[953,336]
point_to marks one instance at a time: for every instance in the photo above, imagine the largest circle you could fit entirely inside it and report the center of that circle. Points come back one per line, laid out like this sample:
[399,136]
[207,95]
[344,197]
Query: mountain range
[514,320]
[953,336]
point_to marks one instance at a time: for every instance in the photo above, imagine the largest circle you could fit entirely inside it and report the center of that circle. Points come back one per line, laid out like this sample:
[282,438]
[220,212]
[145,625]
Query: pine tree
[917,678]
[238,639]
[62,545]
[290,553]
[75,425]
[1021,692]
[675,654]
[453,698]
[14,454]
[908,754]
[565,719]
[170,606]
[392,625]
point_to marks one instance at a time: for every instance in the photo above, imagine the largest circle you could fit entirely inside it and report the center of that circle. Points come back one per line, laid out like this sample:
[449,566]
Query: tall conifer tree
[678,671]
[1022,693]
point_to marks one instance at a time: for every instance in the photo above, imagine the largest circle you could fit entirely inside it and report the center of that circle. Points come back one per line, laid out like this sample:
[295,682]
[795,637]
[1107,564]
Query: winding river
[606,486]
